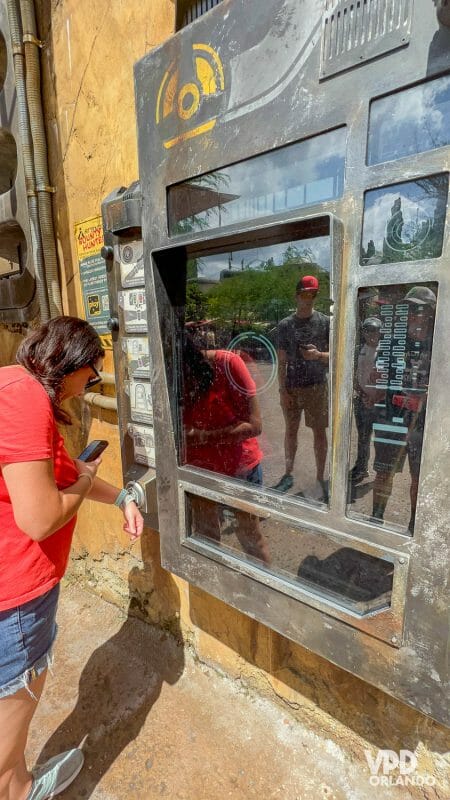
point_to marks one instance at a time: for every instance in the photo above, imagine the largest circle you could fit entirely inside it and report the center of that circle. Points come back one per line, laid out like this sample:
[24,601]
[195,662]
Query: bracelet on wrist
[130,498]
[123,498]
[120,498]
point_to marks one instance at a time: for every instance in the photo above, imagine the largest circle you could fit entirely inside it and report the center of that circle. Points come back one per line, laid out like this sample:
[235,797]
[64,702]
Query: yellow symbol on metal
[188,90]
[180,103]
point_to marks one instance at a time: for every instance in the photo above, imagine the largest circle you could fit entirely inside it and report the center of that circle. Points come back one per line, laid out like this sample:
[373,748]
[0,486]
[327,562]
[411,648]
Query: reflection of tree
[264,295]
[203,196]
[196,303]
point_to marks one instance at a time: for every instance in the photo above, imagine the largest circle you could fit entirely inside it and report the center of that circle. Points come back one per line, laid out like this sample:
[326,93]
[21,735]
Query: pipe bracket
[42,187]
[30,39]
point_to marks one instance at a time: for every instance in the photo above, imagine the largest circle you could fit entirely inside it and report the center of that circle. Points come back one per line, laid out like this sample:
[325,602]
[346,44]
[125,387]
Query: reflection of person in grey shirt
[402,419]
[365,396]
[303,356]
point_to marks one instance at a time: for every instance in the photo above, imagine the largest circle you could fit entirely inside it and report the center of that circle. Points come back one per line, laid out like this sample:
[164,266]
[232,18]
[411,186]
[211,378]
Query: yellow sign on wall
[94,284]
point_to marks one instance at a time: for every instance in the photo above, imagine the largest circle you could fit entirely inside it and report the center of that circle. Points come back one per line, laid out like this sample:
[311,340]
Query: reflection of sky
[417,206]
[291,166]
[294,176]
[318,251]
[412,121]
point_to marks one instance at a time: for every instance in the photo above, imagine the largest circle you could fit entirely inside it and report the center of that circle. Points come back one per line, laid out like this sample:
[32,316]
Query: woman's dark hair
[61,346]
[198,372]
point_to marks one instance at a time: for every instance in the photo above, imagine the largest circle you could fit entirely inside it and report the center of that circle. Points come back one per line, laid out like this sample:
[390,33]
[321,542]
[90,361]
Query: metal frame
[248,112]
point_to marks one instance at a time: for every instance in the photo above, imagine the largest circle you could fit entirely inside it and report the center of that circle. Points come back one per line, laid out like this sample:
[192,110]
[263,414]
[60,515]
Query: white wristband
[127,499]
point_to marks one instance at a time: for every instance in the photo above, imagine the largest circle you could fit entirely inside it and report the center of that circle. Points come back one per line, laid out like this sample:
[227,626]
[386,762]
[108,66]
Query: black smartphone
[93,450]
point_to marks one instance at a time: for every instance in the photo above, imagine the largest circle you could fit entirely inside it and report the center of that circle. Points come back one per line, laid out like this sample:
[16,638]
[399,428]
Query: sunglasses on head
[93,381]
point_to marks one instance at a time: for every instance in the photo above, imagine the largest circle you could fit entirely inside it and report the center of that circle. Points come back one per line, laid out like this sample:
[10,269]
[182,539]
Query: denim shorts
[255,475]
[27,633]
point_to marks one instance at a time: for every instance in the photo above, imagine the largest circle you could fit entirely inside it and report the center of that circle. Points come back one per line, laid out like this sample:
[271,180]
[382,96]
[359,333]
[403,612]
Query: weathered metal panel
[356,32]
[268,93]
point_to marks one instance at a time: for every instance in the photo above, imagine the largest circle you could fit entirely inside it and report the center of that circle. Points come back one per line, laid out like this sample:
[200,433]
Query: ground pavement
[160,724]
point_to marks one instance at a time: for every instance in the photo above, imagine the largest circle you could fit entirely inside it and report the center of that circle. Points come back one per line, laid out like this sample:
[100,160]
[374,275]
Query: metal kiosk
[285,160]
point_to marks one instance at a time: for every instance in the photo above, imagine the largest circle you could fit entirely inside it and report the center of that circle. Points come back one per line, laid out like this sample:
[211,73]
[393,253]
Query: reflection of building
[190,200]
[203,284]
[415,228]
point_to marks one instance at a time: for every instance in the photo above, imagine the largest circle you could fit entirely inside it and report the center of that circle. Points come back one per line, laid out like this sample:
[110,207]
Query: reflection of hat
[421,296]
[371,324]
[307,284]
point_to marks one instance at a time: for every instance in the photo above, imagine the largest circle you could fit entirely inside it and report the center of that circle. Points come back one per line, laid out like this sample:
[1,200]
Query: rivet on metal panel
[402,560]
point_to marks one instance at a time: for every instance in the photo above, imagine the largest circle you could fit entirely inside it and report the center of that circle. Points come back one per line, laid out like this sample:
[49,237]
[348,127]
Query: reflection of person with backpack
[221,421]
[365,397]
[399,429]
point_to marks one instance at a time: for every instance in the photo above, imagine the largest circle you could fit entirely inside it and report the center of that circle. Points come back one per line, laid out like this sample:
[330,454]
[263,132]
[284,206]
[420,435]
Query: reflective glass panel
[255,350]
[405,222]
[354,580]
[390,390]
[410,122]
[293,177]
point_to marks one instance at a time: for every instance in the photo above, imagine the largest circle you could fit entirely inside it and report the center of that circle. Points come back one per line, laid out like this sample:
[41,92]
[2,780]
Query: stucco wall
[88,55]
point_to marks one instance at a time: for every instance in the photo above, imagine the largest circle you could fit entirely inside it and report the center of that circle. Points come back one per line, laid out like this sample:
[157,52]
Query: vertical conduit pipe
[33,88]
[27,152]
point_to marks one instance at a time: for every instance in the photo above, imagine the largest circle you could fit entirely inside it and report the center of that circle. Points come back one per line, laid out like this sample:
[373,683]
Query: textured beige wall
[90,48]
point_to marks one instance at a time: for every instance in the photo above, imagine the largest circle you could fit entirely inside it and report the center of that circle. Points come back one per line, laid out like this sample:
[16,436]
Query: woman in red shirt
[41,490]
[221,420]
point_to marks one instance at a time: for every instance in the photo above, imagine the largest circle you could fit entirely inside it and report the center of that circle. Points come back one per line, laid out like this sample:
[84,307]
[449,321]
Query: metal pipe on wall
[108,378]
[27,151]
[96,399]
[33,89]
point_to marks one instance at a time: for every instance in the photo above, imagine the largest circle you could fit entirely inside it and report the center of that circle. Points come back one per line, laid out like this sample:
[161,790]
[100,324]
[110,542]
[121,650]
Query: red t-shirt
[28,432]
[225,403]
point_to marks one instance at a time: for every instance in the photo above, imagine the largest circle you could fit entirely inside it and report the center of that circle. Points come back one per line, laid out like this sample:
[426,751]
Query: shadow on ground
[119,685]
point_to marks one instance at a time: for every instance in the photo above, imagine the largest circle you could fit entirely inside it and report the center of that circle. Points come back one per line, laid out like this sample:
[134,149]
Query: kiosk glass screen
[255,366]
[355,580]
[292,177]
[410,122]
[405,221]
[390,389]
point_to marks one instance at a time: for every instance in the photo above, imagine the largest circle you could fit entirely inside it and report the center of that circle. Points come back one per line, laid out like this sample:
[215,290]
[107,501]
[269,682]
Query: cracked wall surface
[88,56]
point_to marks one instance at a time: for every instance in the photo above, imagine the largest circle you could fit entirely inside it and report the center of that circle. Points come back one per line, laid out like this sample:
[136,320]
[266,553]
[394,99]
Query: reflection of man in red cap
[303,356]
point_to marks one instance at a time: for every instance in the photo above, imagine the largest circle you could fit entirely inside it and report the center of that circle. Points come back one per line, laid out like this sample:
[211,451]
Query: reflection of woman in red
[221,422]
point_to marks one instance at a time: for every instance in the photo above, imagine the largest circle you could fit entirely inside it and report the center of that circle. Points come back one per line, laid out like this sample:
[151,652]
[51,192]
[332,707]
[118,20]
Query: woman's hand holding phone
[88,467]
[89,460]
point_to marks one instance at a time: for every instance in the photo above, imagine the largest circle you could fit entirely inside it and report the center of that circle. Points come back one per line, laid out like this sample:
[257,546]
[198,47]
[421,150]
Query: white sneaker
[55,775]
